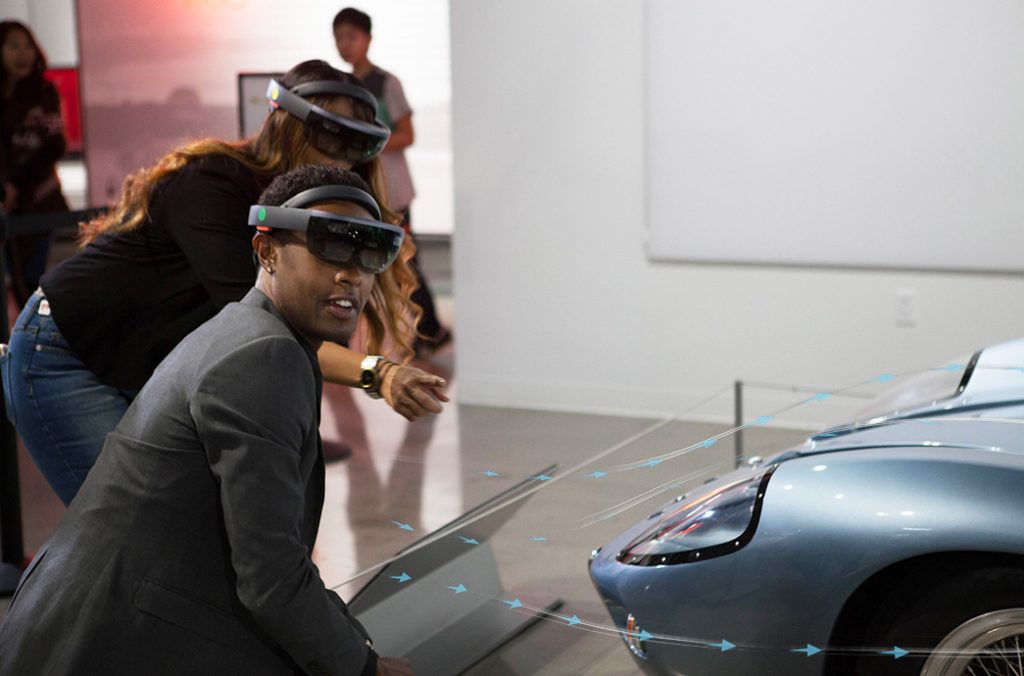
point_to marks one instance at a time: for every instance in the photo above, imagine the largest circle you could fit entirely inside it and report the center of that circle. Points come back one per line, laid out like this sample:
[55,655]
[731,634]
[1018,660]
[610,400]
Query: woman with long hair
[170,254]
[31,142]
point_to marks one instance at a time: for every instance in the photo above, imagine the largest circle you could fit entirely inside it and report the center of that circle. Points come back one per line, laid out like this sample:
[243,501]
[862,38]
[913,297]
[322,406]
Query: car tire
[941,622]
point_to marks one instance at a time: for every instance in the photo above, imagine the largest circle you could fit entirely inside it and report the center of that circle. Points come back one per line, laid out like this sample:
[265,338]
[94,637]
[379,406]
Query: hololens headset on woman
[343,138]
[342,240]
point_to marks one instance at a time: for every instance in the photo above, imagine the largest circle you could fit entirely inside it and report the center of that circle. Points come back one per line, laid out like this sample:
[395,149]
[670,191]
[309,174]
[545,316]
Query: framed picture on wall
[252,101]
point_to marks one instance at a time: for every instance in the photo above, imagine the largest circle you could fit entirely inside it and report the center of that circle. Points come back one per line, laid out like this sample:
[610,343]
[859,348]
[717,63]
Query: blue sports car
[892,545]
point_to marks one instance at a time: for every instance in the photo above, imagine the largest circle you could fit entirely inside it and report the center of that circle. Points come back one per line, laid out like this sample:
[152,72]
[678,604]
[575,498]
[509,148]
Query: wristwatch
[368,376]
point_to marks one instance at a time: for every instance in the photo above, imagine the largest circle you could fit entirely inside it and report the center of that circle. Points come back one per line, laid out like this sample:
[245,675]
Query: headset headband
[334,193]
[278,92]
[349,89]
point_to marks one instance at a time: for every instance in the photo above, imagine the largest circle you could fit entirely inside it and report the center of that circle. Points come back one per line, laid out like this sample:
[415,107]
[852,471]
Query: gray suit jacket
[187,550]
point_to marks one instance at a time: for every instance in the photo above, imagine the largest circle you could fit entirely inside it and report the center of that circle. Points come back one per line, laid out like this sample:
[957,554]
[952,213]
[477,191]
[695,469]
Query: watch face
[366,379]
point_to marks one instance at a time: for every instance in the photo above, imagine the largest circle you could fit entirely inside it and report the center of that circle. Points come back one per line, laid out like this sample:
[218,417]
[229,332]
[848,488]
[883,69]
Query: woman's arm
[403,135]
[412,392]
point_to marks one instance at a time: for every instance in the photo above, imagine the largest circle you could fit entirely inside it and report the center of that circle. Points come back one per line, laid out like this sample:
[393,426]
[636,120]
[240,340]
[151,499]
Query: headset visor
[343,138]
[340,240]
[338,137]
[353,240]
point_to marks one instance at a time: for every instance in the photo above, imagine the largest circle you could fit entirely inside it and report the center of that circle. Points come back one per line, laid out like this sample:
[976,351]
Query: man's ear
[265,248]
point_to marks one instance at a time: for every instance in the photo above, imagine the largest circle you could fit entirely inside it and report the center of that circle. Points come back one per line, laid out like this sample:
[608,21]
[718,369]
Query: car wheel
[987,644]
[964,624]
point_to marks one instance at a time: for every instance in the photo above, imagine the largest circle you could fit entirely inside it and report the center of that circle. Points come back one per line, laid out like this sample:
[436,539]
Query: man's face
[352,43]
[321,300]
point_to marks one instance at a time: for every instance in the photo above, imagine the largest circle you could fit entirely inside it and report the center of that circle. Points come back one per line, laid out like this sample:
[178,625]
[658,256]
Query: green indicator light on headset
[262,214]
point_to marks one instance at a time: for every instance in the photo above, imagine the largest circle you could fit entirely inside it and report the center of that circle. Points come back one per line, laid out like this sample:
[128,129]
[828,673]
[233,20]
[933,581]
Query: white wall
[558,305]
[868,121]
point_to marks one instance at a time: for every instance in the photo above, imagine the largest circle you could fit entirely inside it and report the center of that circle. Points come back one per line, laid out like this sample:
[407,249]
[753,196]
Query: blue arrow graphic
[490,473]
[573,621]
[404,577]
[644,635]
[708,443]
[596,475]
[653,463]
[541,477]
[821,396]
[763,420]
[514,603]
[896,652]
[468,541]
[403,526]
[809,650]
[724,645]
[885,377]
[539,539]
[458,590]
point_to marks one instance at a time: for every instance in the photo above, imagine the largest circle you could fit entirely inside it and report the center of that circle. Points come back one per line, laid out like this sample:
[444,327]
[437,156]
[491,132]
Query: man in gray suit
[187,550]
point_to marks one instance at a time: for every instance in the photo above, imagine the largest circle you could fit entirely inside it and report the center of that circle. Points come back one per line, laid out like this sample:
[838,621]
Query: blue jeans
[61,409]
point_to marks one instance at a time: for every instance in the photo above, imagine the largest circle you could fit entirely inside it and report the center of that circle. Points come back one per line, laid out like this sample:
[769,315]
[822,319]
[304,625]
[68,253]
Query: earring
[269,269]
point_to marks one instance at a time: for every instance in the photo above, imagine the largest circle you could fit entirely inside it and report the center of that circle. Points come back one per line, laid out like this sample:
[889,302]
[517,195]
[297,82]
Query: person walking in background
[31,142]
[352,36]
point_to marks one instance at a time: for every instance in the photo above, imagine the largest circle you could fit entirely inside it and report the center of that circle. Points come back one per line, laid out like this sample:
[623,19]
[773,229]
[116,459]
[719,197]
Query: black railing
[740,385]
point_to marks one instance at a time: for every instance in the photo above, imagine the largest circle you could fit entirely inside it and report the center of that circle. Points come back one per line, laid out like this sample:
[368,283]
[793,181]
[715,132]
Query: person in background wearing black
[171,253]
[352,35]
[31,142]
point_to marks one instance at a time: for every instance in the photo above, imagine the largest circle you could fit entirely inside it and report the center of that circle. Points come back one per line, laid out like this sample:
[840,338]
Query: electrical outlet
[906,307]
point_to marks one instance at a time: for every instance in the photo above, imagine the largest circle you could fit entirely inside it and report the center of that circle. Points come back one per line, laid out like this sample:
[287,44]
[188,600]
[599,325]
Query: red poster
[66,82]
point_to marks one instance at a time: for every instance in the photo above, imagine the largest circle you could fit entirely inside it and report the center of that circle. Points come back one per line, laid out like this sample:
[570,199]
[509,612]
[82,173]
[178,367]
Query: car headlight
[708,525]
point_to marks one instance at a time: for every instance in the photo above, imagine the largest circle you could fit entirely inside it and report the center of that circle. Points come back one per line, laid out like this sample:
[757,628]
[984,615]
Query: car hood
[977,431]
[990,378]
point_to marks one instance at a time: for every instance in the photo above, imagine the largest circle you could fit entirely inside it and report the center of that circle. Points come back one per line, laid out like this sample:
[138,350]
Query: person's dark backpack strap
[374,81]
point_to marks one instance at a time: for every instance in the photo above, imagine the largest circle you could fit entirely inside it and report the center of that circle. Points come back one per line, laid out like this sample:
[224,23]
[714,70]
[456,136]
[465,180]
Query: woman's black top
[125,301]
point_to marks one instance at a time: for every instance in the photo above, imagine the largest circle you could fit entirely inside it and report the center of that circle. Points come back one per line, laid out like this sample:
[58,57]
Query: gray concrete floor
[429,472]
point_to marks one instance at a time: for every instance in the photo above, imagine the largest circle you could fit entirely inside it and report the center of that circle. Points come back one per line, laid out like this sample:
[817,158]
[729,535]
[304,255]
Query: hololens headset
[342,138]
[341,240]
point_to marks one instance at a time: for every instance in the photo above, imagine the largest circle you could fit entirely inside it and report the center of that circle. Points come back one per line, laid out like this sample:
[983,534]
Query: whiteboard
[876,133]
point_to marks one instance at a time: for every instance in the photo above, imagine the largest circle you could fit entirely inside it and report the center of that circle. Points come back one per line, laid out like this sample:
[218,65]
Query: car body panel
[836,511]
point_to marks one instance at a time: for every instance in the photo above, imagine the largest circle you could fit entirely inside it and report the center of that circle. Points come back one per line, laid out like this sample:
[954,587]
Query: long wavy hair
[35,78]
[390,316]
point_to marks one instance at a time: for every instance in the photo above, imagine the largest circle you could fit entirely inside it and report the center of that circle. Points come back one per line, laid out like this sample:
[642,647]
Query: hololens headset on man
[343,138]
[341,240]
